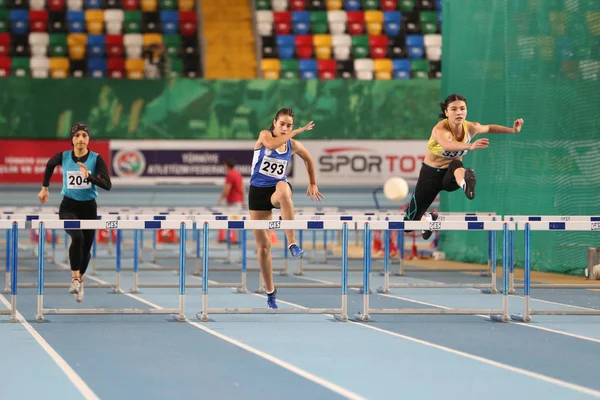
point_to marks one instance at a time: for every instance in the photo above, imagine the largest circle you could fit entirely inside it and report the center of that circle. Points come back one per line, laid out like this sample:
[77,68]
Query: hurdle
[561,226]
[12,259]
[112,225]
[522,219]
[500,314]
[30,217]
[340,314]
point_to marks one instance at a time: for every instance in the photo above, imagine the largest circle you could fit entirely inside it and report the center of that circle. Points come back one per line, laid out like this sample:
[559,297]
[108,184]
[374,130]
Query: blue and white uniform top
[75,186]
[269,166]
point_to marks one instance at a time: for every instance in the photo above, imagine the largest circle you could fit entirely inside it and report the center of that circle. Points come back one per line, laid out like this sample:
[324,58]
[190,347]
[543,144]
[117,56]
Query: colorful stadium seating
[95,38]
[363,39]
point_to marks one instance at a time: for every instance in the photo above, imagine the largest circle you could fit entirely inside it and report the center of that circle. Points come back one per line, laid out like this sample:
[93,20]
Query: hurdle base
[499,318]
[39,318]
[520,318]
[510,291]
[484,273]
[341,317]
[362,317]
[203,317]
[489,290]
[12,319]
[362,290]
[241,289]
[383,290]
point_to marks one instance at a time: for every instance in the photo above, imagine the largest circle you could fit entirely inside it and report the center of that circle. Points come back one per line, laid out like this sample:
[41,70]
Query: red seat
[378,45]
[56,5]
[131,5]
[298,5]
[114,45]
[283,22]
[38,20]
[389,5]
[356,22]
[187,23]
[4,43]
[116,67]
[5,63]
[327,69]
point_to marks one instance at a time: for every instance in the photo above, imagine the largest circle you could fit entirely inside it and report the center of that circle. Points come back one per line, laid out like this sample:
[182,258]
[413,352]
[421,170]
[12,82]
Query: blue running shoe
[272,300]
[296,251]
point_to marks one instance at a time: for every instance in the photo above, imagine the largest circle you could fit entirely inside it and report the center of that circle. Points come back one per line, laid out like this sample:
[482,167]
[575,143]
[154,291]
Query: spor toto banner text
[24,161]
[175,161]
[363,162]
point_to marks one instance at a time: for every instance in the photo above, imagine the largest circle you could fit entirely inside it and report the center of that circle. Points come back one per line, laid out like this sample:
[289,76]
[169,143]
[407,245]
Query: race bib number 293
[273,167]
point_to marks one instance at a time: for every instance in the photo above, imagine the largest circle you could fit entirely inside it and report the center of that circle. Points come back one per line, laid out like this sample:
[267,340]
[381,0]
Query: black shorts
[259,198]
[431,181]
[75,209]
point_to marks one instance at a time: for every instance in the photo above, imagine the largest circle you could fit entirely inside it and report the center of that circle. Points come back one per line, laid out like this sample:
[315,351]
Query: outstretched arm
[476,127]
[272,143]
[313,190]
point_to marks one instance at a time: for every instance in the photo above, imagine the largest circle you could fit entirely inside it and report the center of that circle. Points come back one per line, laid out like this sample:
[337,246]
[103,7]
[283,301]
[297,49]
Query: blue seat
[308,68]
[93,4]
[352,5]
[19,21]
[97,67]
[96,45]
[416,46]
[170,22]
[76,21]
[287,46]
[301,22]
[401,68]
[391,22]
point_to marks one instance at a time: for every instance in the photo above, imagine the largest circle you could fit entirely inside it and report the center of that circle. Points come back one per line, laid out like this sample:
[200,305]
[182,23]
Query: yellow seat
[374,21]
[152,38]
[149,5]
[135,68]
[76,43]
[322,44]
[94,21]
[59,67]
[593,19]
[383,68]
[188,5]
[271,68]
[334,5]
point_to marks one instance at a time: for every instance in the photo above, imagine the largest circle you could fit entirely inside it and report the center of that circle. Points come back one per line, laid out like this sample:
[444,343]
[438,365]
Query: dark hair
[283,111]
[230,163]
[79,126]
[450,99]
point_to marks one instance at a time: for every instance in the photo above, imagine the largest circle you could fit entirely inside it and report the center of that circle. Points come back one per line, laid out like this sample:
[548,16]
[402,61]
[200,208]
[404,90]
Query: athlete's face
[283,124]
[456,111]
[81,140]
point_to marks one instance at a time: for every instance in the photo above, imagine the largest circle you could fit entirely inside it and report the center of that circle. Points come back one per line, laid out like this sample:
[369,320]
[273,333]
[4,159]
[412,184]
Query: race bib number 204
[75,180]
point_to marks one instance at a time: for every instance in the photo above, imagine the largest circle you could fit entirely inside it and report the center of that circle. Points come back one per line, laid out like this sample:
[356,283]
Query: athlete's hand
[517,125]
[313,193]
[308,127]
[480,144]
[43,195]
[83,169]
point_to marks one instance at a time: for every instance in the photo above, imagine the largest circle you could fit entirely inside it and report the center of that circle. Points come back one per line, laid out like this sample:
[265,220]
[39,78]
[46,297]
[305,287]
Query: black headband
[79,126]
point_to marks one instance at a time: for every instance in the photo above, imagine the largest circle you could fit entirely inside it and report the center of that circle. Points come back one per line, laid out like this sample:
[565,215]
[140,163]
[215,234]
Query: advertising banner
[24,161]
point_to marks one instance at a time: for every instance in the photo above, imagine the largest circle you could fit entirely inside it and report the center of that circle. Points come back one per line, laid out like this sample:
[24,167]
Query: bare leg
[459,175]
[283,198]
[263,242]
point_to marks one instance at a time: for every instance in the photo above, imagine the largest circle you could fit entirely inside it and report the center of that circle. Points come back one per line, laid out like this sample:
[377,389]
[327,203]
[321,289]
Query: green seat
[289,69]
[406,5]
[370,4]
[419,69]
[4,21]
[132,21]
[263,4]
[318,21]
[176,67]
[429,22]
[360,46]
[20,66]
[3,3]
[173,44]
[168,4]
[58,44]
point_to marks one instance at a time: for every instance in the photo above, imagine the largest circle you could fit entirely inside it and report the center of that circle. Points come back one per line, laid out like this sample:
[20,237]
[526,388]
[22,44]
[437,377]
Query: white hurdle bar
[500,314]
[521,219]
[111,225]
[549,226]
[12,261]
[340,314]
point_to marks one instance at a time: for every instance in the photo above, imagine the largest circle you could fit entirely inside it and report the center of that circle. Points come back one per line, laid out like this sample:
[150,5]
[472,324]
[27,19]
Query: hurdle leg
[198,271]
[364,316]
[489,261]
[511,282]
[493,289]
[136,263]
[7,278]
[386,264]
[343,316]
[243,287]
[203,315]
[285,272]
[300,270]
[526,317]
[182,258]
[94,245]
[117,288]
[39,317]
[325,246]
